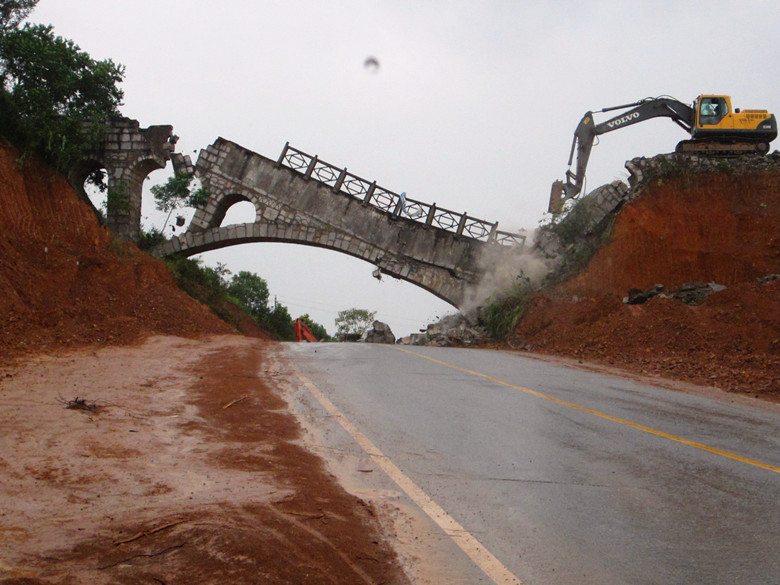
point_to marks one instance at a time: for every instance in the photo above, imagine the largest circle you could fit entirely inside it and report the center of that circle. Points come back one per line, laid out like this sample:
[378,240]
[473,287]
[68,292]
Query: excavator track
[720,148]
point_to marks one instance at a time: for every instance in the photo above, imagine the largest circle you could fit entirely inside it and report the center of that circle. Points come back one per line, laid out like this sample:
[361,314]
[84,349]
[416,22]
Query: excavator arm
[303,333]
[587,131]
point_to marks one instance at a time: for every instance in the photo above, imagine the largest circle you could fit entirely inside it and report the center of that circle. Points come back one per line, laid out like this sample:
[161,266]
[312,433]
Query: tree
[56,99]
[354,321]
[13,12]
[177,192]
[280,322]
[251,291]
[200,282]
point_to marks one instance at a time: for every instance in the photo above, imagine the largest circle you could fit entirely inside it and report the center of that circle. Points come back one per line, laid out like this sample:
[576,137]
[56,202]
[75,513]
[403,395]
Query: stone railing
[392,203]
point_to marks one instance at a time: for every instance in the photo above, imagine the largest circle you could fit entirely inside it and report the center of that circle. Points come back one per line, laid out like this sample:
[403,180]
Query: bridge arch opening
[321,282]
[242,211]
[90,179]
[151,217]
[144,167]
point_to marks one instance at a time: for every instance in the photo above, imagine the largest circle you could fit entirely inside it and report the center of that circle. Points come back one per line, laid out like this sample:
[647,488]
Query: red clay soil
[716,228]
[187,471]
[65,282]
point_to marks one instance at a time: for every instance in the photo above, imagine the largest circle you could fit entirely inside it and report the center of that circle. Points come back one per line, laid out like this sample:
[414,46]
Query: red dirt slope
[710,228]
[716,227]
[64,281]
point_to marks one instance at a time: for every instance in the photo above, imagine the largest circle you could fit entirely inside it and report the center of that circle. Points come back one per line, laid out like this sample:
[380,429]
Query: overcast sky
[472,107]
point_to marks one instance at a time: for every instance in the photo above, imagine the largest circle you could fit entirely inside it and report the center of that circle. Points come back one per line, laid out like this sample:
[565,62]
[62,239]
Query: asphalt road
[564,475]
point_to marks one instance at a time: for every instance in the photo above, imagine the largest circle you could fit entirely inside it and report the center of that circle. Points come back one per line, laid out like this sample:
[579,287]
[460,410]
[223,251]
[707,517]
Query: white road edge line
[481,556]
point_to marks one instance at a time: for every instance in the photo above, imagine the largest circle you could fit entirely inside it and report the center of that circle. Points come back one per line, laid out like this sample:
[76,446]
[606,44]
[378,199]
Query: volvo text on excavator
[715,128]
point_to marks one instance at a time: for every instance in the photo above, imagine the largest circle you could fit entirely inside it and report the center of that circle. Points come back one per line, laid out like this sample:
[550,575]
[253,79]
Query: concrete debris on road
[451,330]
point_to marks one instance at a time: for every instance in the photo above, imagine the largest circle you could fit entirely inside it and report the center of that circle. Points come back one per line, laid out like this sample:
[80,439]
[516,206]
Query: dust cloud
[503,271]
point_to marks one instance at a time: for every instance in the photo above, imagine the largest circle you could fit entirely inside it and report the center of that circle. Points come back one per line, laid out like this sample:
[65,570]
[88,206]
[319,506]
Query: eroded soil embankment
[187,471]
[65,282]
[709,228]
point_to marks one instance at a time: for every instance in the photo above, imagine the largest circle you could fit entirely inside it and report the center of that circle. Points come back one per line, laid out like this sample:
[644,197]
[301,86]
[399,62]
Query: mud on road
[172,461]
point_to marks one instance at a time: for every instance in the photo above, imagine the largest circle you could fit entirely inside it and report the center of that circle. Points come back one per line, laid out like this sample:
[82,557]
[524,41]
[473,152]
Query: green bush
[280,323]
[246,290]
[149,240]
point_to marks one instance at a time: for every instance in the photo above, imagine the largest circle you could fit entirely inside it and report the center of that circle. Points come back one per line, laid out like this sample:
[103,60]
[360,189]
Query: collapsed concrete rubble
[348,337]
[690,293]
[452,330]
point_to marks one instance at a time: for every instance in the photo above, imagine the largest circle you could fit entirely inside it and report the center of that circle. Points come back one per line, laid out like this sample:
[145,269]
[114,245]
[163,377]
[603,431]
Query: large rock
[379,333]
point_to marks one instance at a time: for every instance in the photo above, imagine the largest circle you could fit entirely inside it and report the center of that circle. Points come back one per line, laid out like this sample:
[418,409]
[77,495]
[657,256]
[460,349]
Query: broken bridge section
[301,200]
[128,154]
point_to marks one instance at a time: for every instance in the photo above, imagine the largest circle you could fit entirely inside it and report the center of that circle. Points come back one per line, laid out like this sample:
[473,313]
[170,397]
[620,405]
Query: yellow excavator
[715,128]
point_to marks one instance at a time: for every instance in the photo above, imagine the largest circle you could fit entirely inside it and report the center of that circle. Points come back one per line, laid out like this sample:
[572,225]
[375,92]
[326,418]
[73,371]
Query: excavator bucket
[556,198]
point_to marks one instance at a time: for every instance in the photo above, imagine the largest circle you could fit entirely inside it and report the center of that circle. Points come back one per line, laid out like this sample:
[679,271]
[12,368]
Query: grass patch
[503,314]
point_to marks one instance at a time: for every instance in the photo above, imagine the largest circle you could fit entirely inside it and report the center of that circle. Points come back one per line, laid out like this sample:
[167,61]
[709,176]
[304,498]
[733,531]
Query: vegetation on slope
[245,290]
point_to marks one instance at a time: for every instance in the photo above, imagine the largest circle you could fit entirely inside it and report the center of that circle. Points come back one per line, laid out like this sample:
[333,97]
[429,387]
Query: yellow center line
[476,551]
[599,414]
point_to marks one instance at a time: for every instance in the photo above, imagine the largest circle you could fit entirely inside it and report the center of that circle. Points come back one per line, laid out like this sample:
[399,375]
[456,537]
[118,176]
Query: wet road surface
[565,475]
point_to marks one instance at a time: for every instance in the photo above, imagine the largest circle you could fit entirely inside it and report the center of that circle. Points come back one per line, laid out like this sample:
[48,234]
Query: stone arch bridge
[301,199]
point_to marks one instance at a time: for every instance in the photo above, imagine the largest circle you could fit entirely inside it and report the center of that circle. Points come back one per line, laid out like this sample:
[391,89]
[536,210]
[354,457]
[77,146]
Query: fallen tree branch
[148,532]
[236,401]
[307,516]
[80,404]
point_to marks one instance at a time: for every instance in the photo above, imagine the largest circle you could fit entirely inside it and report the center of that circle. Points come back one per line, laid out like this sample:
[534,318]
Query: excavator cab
[712,110]
[717,121]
